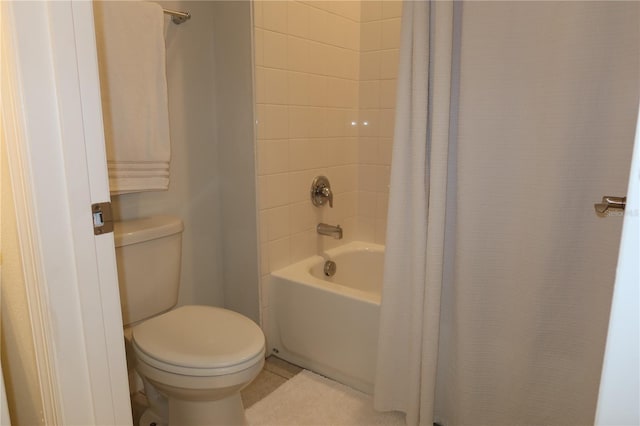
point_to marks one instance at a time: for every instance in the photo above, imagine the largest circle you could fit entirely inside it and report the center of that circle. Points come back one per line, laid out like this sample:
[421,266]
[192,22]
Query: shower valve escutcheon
[321,191]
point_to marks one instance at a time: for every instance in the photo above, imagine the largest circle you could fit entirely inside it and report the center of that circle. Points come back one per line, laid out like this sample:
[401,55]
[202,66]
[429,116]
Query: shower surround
[325,76]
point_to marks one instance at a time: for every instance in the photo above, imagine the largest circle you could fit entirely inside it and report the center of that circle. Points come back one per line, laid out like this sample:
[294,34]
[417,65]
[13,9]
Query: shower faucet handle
[321,191]
[326,193]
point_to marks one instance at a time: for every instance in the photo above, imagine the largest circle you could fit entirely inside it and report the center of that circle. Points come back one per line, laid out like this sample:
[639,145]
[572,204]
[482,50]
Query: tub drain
[330,268]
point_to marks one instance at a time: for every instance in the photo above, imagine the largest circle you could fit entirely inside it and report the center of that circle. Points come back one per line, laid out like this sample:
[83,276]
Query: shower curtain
[513,118]
[413,264]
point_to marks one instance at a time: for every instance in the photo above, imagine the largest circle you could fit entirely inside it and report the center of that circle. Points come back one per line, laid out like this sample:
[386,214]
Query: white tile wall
[380,42]
[323,69]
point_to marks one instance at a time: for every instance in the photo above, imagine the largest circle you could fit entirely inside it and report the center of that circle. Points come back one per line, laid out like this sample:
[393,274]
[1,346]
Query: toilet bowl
[193,360]
[200,357]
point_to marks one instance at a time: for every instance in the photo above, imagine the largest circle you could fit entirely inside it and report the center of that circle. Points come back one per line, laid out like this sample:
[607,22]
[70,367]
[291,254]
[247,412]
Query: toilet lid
[199,340]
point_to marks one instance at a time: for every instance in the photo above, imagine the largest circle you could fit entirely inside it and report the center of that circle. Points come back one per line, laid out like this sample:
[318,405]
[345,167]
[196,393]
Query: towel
[133,83]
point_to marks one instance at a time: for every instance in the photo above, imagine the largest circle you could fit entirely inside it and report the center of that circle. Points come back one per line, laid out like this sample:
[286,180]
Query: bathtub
[329,324]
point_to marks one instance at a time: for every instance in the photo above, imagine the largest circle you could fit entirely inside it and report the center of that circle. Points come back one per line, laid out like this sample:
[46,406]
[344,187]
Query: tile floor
[275,373]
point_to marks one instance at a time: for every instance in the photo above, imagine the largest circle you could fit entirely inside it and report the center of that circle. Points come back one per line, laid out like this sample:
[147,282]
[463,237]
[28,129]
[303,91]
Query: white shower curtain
[513,118]
[414,262]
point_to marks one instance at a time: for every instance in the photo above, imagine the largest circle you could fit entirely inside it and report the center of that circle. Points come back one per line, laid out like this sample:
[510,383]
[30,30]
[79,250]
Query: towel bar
[177,17]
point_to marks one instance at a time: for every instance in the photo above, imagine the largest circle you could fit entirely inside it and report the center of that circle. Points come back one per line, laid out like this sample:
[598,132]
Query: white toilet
[197,358]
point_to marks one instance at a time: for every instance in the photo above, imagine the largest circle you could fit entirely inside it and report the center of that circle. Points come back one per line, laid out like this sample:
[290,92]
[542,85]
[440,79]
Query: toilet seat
[199,341]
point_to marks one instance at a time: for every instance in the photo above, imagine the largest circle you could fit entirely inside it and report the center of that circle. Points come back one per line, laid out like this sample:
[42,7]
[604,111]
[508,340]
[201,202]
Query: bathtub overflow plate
[330,268]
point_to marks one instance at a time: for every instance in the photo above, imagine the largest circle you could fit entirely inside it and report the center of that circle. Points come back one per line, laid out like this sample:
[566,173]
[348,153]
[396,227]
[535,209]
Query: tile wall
[325,94]
[379,47]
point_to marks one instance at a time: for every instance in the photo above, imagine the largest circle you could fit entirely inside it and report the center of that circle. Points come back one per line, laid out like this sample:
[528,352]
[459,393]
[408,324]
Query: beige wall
[325,94]
[194,184]
[16,339]
[212,184]
[236,166]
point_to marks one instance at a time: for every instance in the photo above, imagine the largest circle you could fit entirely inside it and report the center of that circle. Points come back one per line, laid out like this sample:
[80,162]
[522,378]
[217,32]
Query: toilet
[193,360]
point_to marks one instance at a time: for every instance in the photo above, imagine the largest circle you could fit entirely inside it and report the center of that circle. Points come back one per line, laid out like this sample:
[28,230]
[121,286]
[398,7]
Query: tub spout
[330,230]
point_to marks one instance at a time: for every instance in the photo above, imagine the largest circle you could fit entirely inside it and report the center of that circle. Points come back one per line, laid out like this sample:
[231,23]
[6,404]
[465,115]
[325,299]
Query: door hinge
[102,218]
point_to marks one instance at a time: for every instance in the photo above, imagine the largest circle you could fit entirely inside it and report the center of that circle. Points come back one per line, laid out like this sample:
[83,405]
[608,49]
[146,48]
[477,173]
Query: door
[620,382]
[57,159]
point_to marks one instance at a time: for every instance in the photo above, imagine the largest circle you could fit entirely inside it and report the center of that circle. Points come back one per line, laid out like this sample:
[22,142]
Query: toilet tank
[148,255]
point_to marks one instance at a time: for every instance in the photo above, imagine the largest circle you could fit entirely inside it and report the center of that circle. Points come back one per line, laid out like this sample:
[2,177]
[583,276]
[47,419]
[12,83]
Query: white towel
[131,56]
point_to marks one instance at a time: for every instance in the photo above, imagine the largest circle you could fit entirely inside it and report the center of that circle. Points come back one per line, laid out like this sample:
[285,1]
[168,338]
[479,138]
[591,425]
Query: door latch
[610,202]
[102,218]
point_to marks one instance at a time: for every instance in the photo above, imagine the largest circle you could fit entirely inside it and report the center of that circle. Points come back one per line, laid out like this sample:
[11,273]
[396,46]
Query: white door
[51,100]
[619,398]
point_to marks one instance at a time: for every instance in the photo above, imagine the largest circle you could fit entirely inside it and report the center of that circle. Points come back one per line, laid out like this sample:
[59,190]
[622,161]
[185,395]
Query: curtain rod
[177,17]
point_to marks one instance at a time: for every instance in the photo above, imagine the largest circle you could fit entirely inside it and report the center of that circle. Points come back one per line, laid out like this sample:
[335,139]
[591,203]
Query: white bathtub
[329,324]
